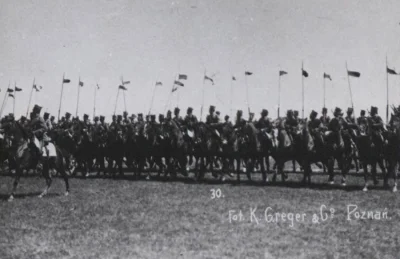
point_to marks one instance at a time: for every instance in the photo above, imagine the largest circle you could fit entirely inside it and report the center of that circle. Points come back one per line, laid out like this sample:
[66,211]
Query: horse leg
[384,172]
[61,169]
[238,161]
[263,172]
[331,164]
[46,174]
[18,173]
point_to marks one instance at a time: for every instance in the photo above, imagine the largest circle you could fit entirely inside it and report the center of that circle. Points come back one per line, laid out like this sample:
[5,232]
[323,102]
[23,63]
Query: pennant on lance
[327,76]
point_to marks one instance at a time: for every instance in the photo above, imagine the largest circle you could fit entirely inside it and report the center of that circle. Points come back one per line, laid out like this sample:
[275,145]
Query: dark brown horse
[26,154]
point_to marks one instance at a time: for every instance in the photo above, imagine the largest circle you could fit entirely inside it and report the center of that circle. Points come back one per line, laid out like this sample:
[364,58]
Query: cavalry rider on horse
[212,121]
[264,123]
[325,119]
[190,122]
[351,127]
[335,125]
[315,126]
[177,119]
[291,124]
[377,128]
[362,120]
[38,127]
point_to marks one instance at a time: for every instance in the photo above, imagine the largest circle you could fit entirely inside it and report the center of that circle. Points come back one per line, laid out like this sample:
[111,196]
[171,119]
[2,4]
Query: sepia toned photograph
[199,129]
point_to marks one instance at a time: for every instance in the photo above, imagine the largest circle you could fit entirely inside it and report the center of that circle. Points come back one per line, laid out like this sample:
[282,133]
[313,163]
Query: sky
[155,40]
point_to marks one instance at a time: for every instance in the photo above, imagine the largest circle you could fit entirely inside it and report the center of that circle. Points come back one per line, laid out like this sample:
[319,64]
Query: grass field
[108,218]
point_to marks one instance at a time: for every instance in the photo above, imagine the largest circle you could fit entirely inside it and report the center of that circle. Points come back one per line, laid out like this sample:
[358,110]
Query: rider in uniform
[325,119]
[377,127]
[177,119]
[38,127]
[264,123]
[315,125]
[291,124]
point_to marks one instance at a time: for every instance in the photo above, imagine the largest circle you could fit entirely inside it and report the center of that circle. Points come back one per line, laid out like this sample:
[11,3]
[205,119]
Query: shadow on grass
[4,197]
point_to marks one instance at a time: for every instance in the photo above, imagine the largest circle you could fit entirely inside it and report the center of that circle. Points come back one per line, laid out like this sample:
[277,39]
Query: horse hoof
[10,199]
[365,189]
[394,189]
[343,184]
[148,178]
[66,193]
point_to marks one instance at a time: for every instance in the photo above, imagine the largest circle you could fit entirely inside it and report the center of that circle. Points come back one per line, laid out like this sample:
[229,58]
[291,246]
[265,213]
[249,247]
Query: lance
[202,99]
[302,90]
[324,90]
[387,92]
[170,95]
[351,95]
[123,92]
[77,100]
[15,96]
[152,97]
[279,94]
[4,100]
[30,98]
[231,96]
[247,94]
[116,101]
[94,104]
[61,95]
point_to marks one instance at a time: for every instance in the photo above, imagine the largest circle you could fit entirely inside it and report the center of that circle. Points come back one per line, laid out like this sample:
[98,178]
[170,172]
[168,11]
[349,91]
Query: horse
[259,145]
[312,149]
[206,149]
[176,149]
[115,151]
[392,151]
[230,151]
[26,154]
[285,149]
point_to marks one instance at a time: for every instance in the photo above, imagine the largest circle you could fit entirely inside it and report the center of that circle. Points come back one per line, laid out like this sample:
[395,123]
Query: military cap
[102,117]
[140,114]
[251,114]
[23,118]
[289,112]
[85,116]
[169,112]
[160,116]
[153,117]
[349,110]
[177,110]
[362,112]
[217,112]
[114,116]
[190,109]
[374,109]
[46,114]
[338,111]
[313,113]
[37,108]
[212,108]
[125,113]
[96,118]
[239,112]
[324,110]
[67,114]
[119,117]
[226,117]
[52,118]
[264,112]
[295,112]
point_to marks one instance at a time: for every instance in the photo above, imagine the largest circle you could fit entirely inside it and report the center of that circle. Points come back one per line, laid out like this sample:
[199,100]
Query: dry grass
[105,218]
